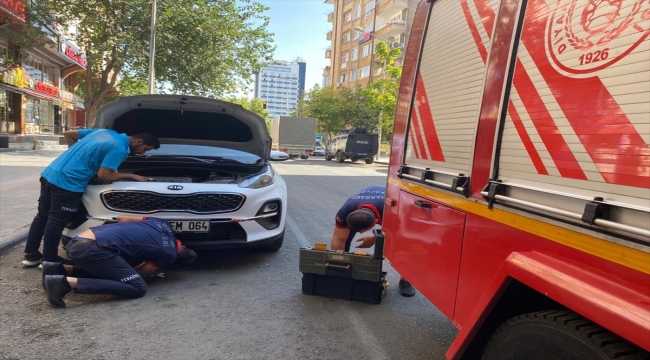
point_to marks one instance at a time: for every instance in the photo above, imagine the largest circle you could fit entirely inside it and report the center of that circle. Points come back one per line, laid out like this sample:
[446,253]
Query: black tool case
[343,275]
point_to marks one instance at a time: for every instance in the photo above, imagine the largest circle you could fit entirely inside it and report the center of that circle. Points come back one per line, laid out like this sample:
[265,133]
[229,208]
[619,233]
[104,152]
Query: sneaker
[405,288]
[56,290]
[51,268]
[31,260]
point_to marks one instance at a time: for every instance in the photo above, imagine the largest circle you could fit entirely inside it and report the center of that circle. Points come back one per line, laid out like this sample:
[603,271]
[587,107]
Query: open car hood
[181,119]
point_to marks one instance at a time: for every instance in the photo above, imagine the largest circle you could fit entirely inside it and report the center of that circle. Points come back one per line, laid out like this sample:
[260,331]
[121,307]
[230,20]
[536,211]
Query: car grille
[145,202]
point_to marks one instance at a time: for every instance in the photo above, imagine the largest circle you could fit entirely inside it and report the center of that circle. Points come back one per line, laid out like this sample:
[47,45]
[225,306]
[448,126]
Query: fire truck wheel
[557,334]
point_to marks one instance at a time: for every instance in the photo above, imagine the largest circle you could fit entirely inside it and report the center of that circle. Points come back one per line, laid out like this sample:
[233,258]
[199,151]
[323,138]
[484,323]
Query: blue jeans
[103,270]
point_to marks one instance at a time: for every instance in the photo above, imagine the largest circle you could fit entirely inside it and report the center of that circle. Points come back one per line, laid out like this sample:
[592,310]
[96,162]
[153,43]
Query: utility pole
[152,48]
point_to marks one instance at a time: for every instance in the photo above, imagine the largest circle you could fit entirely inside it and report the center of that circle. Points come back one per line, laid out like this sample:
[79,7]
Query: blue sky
[300,27]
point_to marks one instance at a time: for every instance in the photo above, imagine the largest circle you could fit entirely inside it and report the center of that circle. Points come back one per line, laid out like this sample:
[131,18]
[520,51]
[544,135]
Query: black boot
[56,290]
[52,268]
[405,288]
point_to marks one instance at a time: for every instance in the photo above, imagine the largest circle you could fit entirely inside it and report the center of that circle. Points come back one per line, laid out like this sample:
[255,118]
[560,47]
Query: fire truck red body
[518,196]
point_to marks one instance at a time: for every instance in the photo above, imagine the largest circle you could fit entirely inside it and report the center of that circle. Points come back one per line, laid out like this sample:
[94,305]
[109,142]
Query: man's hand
[339,236]
[366,242]
[139,178]
[106,174]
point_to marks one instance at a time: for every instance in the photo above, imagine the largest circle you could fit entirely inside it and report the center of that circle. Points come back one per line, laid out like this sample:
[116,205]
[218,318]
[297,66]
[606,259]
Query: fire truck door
[428,253]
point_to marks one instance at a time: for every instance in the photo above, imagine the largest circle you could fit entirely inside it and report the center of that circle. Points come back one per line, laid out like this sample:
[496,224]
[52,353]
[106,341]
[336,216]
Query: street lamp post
[383,71]
[152,48]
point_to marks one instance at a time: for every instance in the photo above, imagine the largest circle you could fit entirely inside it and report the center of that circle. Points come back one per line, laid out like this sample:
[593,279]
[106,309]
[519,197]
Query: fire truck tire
[556,334]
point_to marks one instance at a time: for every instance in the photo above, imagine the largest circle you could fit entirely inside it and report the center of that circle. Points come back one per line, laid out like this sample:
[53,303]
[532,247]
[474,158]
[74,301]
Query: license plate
[190,226]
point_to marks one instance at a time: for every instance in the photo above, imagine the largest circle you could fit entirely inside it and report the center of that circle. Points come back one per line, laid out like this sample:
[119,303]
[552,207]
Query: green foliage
[254,105]
[203,47]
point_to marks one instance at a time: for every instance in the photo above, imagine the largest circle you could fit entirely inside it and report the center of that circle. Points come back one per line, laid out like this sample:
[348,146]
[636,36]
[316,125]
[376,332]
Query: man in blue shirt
[359,214]
[102,255]
[97,152]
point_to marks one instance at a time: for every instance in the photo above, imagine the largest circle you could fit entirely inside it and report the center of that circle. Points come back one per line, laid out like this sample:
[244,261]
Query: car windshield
[203,152]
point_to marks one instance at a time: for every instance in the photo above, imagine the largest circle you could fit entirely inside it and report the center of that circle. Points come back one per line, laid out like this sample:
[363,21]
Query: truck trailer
[294,135]
[518,190]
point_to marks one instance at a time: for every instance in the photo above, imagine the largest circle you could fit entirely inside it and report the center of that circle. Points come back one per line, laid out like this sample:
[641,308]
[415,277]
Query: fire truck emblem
[584,36]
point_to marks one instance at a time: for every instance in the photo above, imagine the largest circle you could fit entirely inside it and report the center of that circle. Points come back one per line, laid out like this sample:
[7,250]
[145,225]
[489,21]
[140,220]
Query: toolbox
[356,276]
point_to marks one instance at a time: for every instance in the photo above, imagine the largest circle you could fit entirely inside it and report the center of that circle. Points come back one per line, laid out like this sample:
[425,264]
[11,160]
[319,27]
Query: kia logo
[175,187]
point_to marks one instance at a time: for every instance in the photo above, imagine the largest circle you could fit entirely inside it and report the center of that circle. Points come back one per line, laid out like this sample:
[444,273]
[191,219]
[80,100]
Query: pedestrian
[99,152]
[359,214]
[102,255]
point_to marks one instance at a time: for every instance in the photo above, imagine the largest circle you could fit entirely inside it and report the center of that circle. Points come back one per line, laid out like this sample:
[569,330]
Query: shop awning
[29,92]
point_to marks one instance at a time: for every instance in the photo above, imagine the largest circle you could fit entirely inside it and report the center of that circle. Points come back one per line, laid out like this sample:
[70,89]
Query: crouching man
[102,254]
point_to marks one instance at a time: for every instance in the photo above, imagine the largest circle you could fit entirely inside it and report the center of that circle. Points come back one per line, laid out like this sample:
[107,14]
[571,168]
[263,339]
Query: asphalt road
[236,304]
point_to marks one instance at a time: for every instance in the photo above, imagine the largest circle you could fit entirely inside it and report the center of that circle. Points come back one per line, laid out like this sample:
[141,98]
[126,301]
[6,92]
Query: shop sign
[66,96]
[13,7]
[46,88]
[16,77]
[79,102]
[73,53]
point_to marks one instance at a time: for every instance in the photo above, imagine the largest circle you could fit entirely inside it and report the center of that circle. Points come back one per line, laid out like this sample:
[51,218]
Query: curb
[9,244]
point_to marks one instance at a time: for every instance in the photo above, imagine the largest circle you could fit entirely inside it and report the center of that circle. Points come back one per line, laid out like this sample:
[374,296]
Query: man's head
[185,257]
[143,142]
[361,220]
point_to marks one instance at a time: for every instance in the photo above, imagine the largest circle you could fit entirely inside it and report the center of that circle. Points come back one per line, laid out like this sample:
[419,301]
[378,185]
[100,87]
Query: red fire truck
[518,195]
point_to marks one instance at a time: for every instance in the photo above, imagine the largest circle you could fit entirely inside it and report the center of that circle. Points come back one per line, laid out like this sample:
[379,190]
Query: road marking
[302,239]
[368,340]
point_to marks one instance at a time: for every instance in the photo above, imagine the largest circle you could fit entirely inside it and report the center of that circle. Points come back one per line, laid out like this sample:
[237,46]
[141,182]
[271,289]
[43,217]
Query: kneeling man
[102,254]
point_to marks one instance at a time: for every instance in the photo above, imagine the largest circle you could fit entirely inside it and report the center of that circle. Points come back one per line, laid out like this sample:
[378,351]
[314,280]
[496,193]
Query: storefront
[7,112]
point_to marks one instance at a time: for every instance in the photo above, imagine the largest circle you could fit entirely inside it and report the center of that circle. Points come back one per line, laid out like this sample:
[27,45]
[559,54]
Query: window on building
[365,51]
[343,78]
[346,36]
[357,34]
[347,17]
[369,6]
[356,13]
[355,53]
[353,74]
[365,72]
[369,26]
[346,56]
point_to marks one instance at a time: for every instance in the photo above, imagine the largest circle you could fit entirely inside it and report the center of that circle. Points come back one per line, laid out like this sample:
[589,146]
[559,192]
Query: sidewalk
[19,191]
[382,160]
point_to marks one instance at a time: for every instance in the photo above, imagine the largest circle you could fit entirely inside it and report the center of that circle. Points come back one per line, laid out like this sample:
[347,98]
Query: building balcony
[329,35]
[330,17]
[391,29]
[328,54]
[391,6]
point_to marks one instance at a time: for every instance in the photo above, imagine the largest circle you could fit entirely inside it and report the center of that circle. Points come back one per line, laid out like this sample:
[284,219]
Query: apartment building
[280,84]
[357,25]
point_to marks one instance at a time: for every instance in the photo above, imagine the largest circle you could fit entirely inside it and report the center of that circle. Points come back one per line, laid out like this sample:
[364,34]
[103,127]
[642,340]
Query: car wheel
[370,161]
[340,157]
[274,246]
[555,334]
[354,160]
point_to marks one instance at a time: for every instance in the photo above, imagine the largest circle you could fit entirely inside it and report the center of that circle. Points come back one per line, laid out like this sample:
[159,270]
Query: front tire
[557,335]
[370,161]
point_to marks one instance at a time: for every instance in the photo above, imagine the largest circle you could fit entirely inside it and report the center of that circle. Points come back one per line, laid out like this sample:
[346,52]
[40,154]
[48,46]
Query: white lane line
[302,239]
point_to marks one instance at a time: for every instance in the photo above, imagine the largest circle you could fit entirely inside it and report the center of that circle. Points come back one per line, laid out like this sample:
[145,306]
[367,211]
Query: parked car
[319,151]
[211,178]
[279,155]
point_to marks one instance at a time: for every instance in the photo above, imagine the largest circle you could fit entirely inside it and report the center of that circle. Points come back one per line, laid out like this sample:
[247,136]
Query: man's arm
[106,174]
[145,269]
[71,137]
[339,236]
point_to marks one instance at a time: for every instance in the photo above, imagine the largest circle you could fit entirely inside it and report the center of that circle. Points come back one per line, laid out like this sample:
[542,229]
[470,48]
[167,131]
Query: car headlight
[258,181]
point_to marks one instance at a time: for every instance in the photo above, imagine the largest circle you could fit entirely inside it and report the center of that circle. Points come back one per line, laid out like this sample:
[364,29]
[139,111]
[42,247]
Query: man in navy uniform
[359,214]
[102,257]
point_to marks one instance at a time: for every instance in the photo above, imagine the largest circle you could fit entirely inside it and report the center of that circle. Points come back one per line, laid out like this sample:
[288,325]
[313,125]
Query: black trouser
[101,270]
[56,207]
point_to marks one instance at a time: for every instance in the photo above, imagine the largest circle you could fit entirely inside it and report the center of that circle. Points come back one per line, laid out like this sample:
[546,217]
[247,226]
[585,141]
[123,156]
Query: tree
[325,105]
[382,94]
[255,105]
[357,113]
[203,47]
